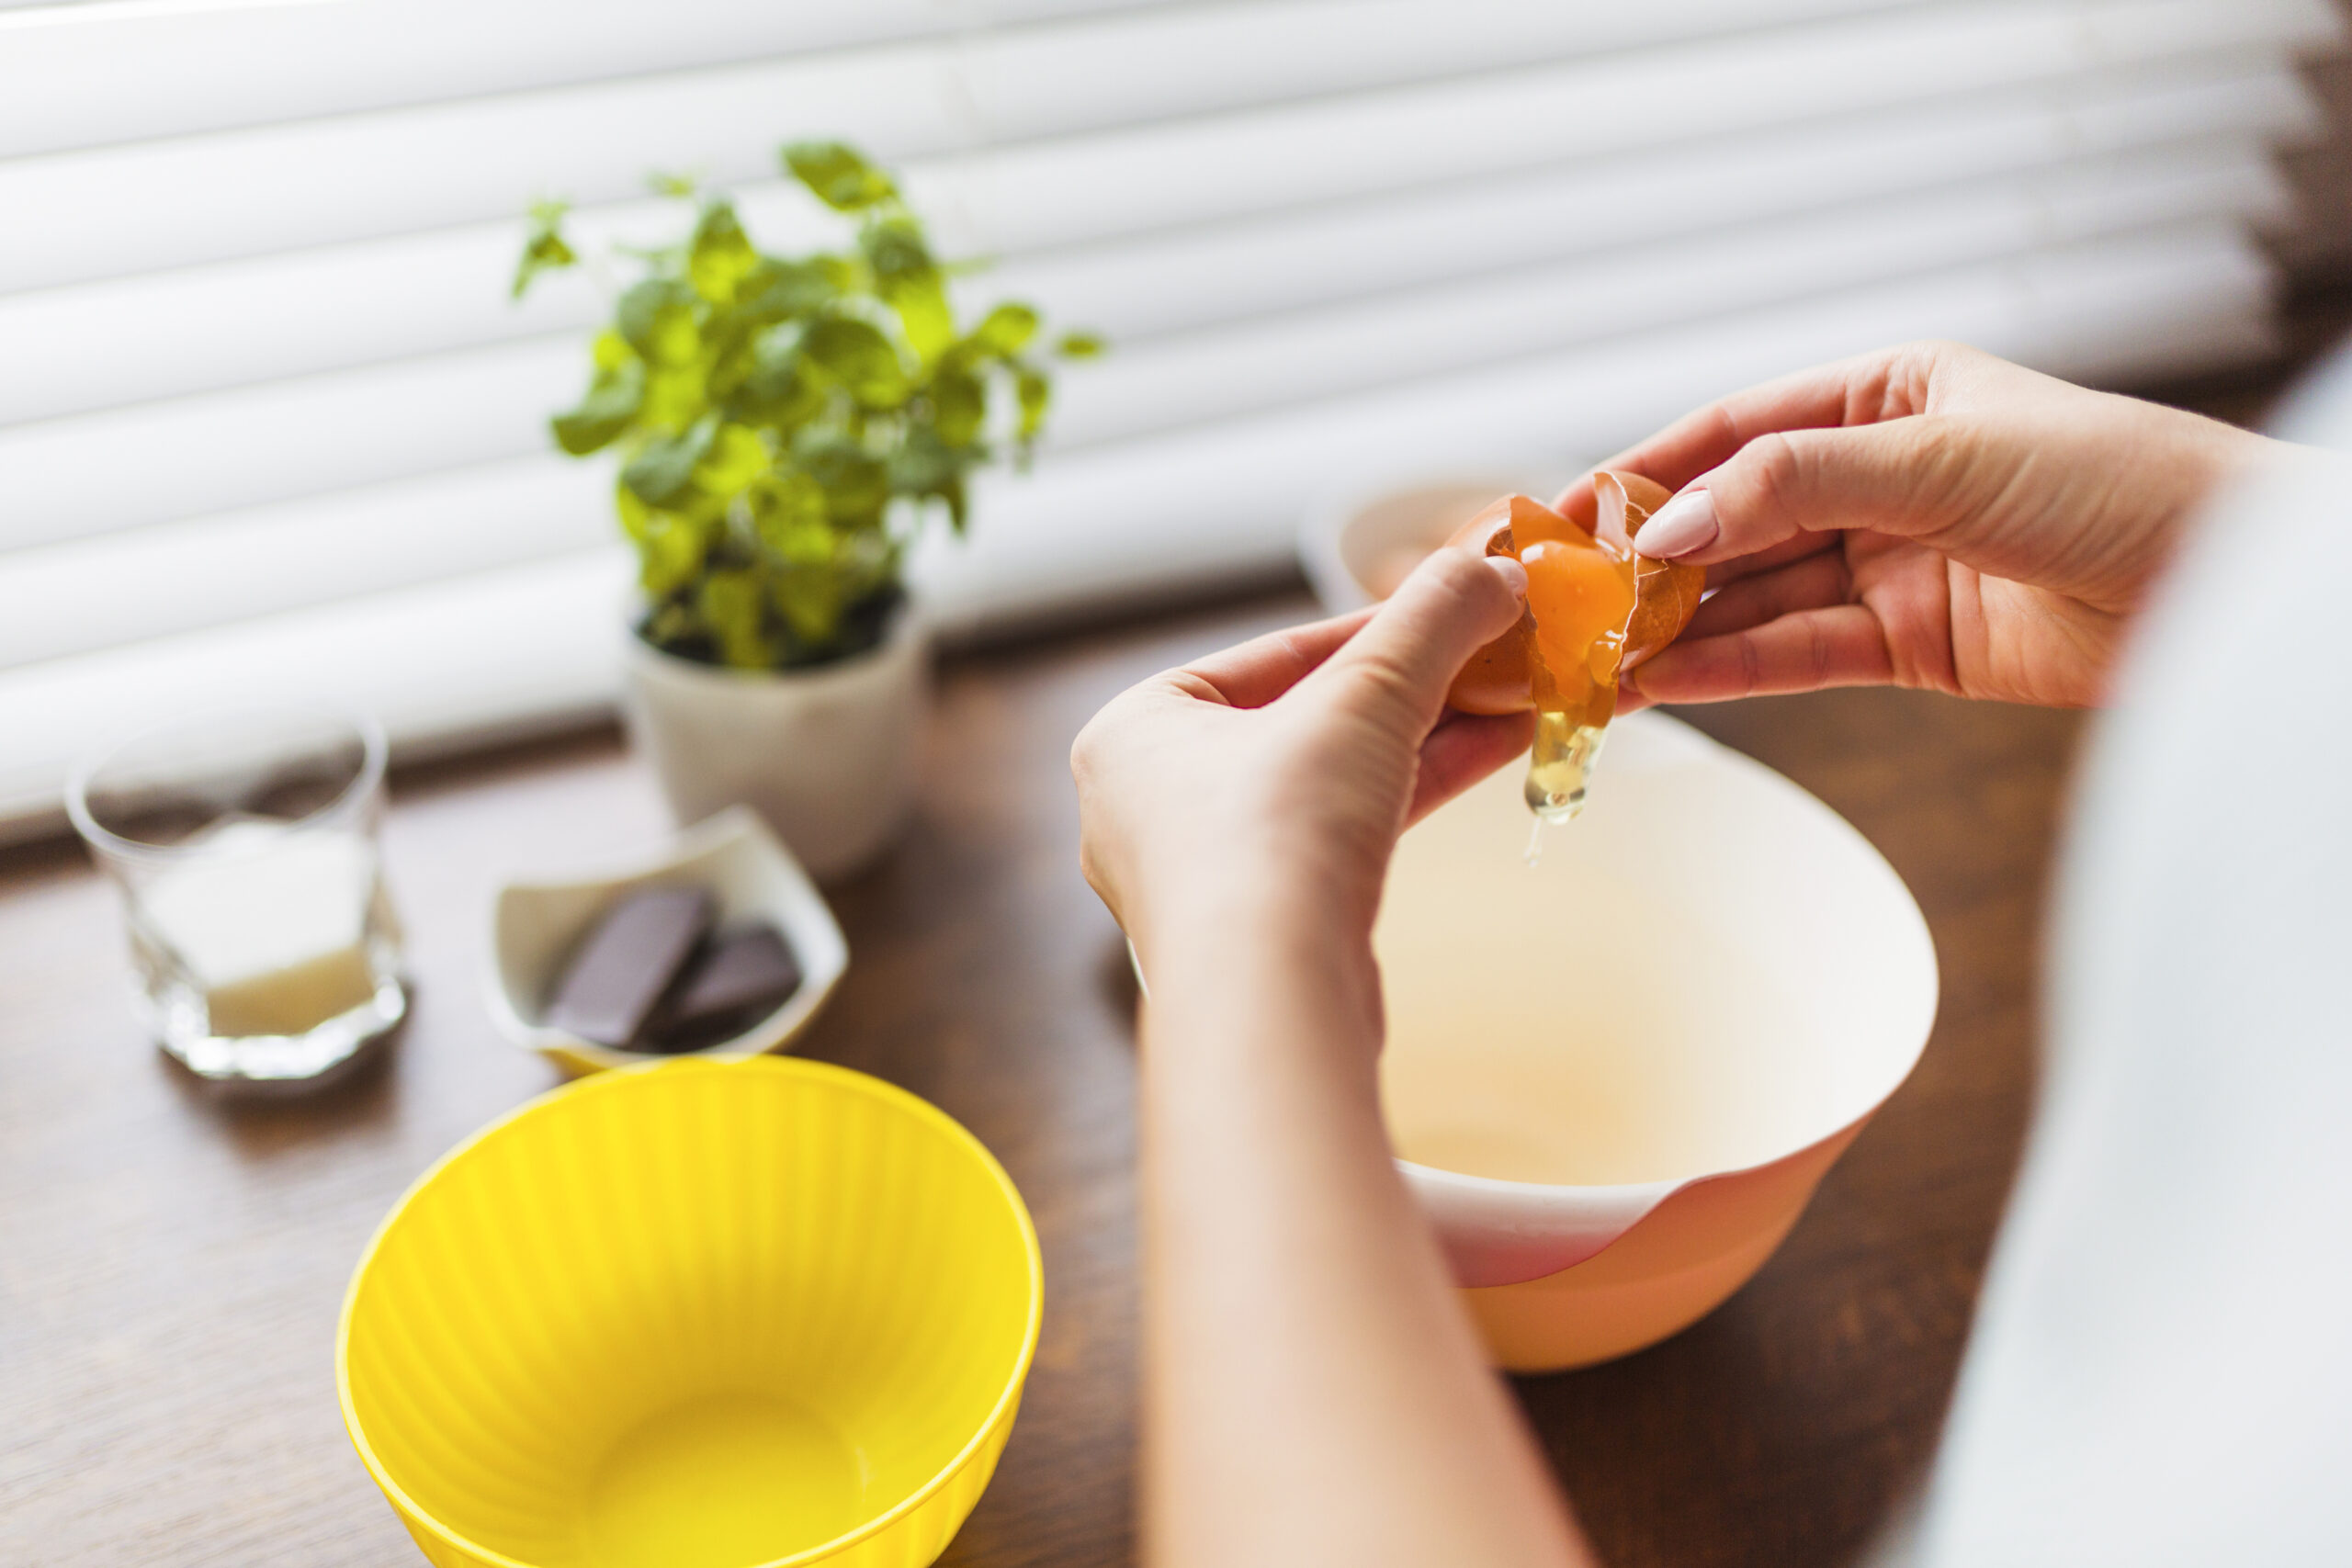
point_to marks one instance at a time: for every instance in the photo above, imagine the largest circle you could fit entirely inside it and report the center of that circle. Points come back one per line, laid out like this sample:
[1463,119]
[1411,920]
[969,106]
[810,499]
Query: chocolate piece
[739,978]
[618,974]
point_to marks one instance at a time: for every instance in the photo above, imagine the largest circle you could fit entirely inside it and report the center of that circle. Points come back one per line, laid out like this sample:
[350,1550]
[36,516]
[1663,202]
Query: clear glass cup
[245,843]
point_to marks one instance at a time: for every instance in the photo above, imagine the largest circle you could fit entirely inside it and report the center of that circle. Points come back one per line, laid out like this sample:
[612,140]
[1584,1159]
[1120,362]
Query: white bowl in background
[536,924]
[1357,542]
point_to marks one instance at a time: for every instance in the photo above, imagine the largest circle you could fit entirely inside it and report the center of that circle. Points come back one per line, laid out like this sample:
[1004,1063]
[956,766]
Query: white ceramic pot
[827,755]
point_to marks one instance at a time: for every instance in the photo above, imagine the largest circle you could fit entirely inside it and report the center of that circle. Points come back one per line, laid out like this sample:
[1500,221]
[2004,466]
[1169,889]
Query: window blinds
[269,425]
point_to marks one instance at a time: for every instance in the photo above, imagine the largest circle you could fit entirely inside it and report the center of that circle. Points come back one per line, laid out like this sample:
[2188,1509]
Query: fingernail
[1514,575]
[1685,524]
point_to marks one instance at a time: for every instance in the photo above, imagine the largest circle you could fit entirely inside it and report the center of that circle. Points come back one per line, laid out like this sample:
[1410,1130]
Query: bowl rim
[618,1080]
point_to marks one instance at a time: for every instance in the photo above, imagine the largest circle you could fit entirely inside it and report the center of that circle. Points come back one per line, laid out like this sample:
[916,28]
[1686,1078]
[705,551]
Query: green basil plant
[787,423]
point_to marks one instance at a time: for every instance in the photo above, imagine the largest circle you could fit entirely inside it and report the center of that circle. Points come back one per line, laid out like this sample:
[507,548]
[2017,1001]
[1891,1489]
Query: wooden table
[171,1262]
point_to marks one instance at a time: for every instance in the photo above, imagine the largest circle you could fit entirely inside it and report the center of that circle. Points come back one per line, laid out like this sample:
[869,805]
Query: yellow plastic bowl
[695,1315]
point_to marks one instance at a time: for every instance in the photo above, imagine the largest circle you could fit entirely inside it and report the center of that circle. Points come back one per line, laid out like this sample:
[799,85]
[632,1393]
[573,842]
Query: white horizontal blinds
[181,199]
[164,334]
[1323,233]
[189,66]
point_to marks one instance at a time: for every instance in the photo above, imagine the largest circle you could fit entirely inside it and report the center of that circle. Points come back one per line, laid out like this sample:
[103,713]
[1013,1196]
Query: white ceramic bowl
[1357,542]
[536,924]
[1614,1077]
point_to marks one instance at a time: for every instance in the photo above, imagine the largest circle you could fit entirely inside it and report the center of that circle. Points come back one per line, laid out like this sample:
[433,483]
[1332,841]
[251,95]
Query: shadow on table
[261,1120]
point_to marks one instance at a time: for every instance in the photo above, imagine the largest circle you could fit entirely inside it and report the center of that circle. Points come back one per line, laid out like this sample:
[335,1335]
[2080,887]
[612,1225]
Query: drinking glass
[244,842]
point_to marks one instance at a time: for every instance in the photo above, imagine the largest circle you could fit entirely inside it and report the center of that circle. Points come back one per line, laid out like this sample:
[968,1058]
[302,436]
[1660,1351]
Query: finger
[1399,665]
[1578,504]
[1722,574]
[1464,749]
[1814,583]
[1901,478]
[1254,673]
[1841,646]
[1885,383]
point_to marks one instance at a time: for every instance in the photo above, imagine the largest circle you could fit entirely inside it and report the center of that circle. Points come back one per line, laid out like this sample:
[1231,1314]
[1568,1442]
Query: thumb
[1900,477]
[1399,665]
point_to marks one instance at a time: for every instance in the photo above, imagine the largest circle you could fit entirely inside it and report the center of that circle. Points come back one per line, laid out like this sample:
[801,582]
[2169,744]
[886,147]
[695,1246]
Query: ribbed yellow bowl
[695,1315]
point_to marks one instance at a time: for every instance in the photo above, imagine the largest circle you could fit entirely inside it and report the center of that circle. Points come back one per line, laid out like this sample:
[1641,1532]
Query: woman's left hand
[1278,773]
[1313,1389]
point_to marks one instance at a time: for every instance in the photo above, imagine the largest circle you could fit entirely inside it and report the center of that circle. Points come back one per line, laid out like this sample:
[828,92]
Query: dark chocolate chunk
[618,974]
[739,978]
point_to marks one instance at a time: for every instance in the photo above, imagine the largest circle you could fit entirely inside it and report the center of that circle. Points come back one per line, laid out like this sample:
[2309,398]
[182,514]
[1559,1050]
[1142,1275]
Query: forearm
[1315,1392]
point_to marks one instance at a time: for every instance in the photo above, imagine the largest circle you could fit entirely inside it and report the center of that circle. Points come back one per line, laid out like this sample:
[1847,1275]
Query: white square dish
[536,924]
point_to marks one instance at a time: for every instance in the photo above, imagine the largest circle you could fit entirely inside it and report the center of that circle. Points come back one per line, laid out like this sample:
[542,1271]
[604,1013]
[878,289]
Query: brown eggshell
[1495,679]
[1666,593]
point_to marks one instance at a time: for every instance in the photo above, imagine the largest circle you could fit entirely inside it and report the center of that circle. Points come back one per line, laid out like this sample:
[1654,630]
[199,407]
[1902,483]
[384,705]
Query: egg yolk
[1581,593]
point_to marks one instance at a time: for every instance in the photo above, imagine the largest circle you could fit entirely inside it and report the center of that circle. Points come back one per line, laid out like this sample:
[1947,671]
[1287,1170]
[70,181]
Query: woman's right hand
[1927,516]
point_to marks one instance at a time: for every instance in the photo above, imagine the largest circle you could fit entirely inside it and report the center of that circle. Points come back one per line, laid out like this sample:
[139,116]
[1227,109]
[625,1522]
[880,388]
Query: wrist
[1260,946]
[1210,919]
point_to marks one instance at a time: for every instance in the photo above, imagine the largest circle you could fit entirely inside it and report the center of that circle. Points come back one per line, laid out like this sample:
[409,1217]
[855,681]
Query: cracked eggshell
[1613,508]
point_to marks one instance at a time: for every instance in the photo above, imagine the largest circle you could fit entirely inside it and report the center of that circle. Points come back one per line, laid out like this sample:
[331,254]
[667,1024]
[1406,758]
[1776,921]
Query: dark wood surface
[171,1263]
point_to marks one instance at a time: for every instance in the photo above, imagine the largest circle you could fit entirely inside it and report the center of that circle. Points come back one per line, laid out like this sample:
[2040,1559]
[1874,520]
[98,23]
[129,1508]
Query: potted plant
[787,425]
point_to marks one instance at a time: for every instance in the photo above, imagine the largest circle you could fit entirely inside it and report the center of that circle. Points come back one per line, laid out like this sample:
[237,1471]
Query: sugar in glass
[264,947]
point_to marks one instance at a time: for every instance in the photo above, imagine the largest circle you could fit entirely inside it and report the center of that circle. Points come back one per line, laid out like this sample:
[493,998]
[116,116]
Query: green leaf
[1080,345]
[736,458]
[838,175]
[856,485]
[809,598]
[604,414]
[657,319]
[665,470]
[611,351]
[857,357]
[673,399]
[789,519]
[682,186]
[544,248]
[926,467]
[924,314]
[775,393]
[719,256]
[671,554]
[786,291]
[669,548]
[910,282]
[923,464]
[1005,331]
[959,406]
[1034,392]
[894,247]
[733,608]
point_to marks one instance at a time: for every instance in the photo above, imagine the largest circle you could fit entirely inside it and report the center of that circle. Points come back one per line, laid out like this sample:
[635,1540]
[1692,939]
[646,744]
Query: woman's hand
[1277,774]
[1313,1391]
[1927,516]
